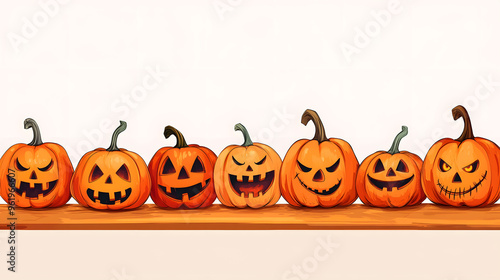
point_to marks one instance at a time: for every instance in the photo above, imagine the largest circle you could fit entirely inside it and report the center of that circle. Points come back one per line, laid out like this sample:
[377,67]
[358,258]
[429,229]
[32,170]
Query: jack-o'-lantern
[247,175]
[37,174]
[319,172]
[111,178]
[462,172]
[182,176]
[391,179]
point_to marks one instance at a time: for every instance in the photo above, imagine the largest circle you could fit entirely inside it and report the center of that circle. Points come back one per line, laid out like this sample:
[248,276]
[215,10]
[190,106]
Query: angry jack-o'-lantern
[111,178]
[462,172]
[247,175]
[38,174]
[319,172]
[391,179]
[182,176]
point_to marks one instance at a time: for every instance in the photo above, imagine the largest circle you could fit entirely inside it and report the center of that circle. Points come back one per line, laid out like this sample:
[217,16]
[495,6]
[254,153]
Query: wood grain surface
[278,217]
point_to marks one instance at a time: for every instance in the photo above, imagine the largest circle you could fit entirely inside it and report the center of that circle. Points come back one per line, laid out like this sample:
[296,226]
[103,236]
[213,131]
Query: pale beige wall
[127,255]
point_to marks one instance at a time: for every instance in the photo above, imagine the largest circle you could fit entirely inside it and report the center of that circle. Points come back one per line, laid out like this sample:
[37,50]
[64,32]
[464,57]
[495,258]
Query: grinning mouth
[461,192]
[323,192]
[35,190]
[389,185]
[256,187]
[104,197]
[190,192]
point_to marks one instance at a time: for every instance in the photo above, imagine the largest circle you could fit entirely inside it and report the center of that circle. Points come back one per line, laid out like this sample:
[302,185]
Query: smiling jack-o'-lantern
[462,172]
[182,176]
[247,175]
[319,172]
[111,178]
[391,179]
[39,173]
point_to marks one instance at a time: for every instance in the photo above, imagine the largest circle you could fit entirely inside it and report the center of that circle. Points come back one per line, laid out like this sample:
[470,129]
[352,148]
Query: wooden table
[278,217]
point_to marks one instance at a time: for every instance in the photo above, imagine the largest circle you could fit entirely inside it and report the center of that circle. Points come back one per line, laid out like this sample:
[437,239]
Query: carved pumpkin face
[111,179]
[182,176]
[39,172]
[463,171]
[247,175]
[319,172]
[391,179]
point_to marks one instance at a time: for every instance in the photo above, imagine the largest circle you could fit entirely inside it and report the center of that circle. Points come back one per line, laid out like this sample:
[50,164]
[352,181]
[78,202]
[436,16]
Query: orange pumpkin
[37,174]
[462,172]
[319,172]
[391,179]
[182,176]
[111,178]
[247,175]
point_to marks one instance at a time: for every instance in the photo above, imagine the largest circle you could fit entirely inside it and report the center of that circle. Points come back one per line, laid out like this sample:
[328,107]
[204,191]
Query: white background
[78,68]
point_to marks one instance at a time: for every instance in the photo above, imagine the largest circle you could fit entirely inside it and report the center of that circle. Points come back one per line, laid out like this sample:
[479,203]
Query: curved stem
[181,142]
[395,144]
[37,137]
[320,134]
[120,129]
[248,141]
[460,112]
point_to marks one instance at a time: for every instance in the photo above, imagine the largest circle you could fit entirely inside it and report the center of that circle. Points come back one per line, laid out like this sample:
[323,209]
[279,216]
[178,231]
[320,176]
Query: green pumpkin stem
[320,134]
[114,139]
[37,137]
[248,141]
[181,142]
[460,112]
[395,145]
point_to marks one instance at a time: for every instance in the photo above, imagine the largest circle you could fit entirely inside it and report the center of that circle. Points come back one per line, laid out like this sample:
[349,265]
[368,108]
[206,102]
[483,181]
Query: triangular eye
[198,166]
[334,166]
[168,168]
[95,174]
[402,167]
[123,173]
[379,167]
